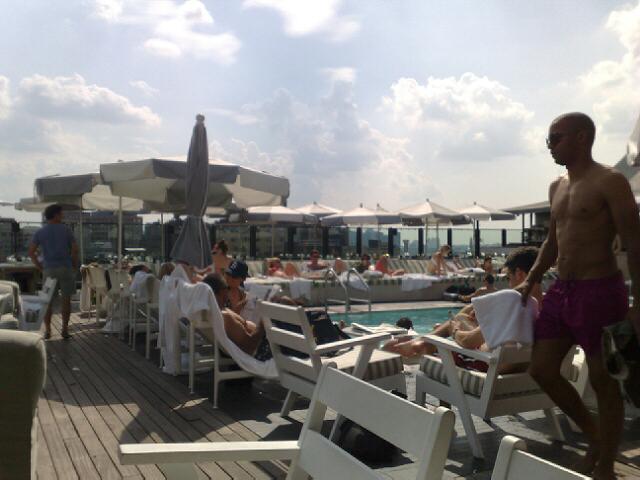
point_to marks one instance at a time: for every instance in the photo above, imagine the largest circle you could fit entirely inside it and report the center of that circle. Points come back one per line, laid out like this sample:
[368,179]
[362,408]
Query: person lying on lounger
[365,263]
[464,328]
[437,265]
[276,269]
[382,265]
[244,333]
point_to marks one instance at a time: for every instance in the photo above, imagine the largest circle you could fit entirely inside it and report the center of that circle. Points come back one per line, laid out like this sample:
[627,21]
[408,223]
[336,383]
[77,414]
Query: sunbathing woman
[382,265]
[275,269]
[437,264]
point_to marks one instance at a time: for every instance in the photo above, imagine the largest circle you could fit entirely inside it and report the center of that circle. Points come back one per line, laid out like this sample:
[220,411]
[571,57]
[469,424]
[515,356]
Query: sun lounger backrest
[282,339]
[424,434]
[97,278]
[514,463]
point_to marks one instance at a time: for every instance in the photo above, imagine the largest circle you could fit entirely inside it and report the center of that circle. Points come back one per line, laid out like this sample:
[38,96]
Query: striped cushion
[472,381]
[8,322]
[382,364]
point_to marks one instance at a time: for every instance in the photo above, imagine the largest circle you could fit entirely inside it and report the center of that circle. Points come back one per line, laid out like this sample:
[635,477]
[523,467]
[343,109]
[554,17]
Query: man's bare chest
[581,201]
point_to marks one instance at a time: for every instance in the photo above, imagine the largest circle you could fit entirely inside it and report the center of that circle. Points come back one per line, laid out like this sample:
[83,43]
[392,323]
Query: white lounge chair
[514,463]
[485,395]
[299,375]
[422,433]
[35,306]
[97,283]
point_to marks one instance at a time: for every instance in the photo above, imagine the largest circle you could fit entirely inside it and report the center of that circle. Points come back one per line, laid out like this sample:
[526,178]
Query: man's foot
[603,473]
[47,334]
[587,464]
[65,334]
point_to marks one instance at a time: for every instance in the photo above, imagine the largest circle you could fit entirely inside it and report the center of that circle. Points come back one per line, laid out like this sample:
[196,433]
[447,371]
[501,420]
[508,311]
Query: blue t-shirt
[54,240]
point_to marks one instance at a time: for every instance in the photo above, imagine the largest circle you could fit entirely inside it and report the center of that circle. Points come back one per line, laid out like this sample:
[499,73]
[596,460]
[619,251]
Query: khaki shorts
[66,277]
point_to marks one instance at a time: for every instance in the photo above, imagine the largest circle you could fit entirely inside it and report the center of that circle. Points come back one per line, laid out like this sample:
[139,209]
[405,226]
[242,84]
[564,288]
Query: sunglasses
[555,138]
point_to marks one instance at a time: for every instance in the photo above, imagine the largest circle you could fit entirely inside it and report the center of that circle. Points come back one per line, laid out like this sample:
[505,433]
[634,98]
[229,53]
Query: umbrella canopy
[84,191]
[481,213]
[432,213]
[192,245]
[161,184]
[318,210]
[633,146]
[361,216]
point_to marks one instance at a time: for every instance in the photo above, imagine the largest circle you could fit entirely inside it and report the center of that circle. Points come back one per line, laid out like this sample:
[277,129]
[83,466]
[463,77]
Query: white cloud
[72,97]
[340,74]
[308,18]
[144,87]
[5,98]
[330,153]
[612,85]
[239,117]
[467,118]
[174,29]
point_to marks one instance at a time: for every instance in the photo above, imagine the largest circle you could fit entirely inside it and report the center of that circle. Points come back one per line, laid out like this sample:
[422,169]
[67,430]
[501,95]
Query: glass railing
[145,240]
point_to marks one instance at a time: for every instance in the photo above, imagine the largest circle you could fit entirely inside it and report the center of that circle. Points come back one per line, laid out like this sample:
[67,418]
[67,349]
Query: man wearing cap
[235,275]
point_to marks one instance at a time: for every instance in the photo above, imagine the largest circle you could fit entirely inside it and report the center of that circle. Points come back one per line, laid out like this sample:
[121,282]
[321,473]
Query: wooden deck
[99,393]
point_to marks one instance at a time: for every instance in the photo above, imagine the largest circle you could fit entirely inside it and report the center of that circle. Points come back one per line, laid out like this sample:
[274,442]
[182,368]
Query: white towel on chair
[300,287]
[503,319]
[139,285]
[416,281]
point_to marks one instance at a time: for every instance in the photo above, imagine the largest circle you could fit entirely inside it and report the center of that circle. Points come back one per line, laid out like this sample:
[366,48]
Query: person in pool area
[463,327]
[437,264]
[487,287]
[589,206]
[314,263]
[221,260]
[487,264]
[235,275]
[364,264]
[382,265]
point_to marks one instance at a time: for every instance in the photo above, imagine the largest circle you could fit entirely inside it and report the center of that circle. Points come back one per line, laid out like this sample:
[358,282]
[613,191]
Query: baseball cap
[238,269]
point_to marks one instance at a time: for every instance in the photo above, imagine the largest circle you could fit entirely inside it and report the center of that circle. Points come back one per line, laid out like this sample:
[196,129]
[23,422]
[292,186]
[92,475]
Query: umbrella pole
[81,241]
[438,235]
[426,238]
[119,232]
[162,254]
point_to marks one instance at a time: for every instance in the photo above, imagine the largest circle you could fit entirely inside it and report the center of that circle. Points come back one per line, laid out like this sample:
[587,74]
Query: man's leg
[546,361]
[65,310]
[611,413]
[47,321]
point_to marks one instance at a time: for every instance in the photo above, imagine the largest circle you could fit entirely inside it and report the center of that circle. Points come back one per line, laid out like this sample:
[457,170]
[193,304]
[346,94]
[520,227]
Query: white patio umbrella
[192,245]
[161,184]
[277,215]
[318,210]
[431,213]
[361,216]
[482,213]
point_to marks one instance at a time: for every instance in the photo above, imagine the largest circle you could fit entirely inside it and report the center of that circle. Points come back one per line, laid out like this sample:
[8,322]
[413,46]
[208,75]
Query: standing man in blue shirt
[59,252]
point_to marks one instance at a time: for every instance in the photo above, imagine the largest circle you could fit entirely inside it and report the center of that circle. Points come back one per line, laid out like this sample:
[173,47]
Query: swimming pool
[423,319]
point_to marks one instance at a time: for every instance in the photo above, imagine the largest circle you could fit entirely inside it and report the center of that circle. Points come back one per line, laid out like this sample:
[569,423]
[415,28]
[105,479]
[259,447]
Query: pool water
[423,319]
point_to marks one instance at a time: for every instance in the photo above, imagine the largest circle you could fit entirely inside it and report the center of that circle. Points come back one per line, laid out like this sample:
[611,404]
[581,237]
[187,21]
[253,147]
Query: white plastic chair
[299,375]
[35,306]
[98,288]
[423,434]
[514,463]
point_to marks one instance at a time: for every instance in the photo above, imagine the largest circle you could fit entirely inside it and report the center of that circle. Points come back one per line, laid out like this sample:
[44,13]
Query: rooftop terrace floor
[99,393]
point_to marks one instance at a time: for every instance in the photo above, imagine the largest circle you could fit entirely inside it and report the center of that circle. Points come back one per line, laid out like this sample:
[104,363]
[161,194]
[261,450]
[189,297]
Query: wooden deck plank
[44,464]
[147,393]
[61,461]
[140,402]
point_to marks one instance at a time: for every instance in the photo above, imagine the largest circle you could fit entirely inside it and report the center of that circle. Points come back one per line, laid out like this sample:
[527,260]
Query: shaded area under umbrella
[277,215]
[193,246]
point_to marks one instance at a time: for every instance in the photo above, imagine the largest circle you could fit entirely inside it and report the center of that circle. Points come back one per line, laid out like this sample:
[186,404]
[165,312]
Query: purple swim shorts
[580,309]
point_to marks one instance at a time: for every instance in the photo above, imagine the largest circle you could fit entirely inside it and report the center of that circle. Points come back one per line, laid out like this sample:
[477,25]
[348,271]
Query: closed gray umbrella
[193,245]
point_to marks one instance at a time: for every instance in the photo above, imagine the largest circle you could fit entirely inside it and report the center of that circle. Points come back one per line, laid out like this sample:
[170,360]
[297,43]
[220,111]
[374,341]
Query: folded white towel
[300,287]
[503,319]
[354,281]
[416,281]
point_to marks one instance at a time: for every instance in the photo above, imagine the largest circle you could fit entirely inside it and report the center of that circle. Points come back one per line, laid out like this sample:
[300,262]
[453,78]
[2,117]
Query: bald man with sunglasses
[590,205]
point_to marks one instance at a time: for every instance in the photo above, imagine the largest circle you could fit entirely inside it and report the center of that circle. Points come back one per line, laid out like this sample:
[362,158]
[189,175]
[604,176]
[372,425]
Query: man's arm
[33,249]
[623,208]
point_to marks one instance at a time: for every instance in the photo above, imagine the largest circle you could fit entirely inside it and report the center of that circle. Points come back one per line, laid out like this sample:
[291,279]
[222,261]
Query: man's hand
[525,290]
[634,317]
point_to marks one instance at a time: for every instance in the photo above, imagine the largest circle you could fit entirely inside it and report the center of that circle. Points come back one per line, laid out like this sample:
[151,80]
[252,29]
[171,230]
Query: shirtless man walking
[589,206]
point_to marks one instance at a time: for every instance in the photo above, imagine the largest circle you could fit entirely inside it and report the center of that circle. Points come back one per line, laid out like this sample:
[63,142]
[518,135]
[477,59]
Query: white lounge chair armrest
[452,346]
[34,299]
[150,453]
[351,342]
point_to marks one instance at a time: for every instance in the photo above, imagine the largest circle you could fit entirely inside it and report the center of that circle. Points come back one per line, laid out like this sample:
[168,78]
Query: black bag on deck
[324,331]
[365,445]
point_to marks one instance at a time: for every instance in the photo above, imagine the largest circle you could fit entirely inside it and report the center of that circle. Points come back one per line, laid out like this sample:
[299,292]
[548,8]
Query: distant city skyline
[355,102]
